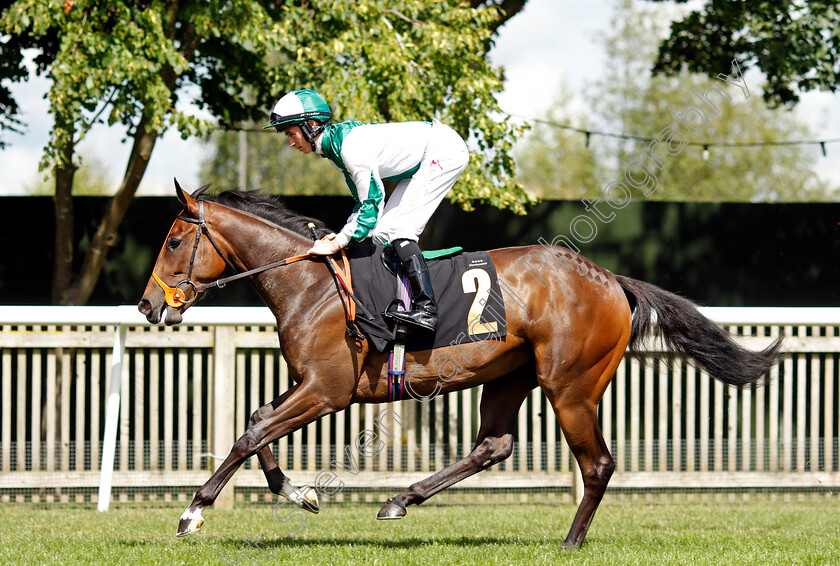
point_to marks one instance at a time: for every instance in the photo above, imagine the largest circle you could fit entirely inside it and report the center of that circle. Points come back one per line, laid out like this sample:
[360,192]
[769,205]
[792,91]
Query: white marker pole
[112,417]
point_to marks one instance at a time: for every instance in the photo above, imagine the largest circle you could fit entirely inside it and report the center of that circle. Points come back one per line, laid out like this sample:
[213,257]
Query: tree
[12,68]
[505,10]
[90,179]
[137,62]
[127,63]
[795,44]
[628,100]
[271,165]
[554,162]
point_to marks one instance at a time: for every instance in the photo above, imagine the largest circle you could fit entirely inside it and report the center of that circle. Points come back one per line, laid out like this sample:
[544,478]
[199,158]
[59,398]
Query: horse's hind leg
[596,464]
[575,403]
[500,402]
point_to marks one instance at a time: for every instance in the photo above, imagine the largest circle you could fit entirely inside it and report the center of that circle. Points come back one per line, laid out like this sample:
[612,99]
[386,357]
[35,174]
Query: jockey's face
[296,139]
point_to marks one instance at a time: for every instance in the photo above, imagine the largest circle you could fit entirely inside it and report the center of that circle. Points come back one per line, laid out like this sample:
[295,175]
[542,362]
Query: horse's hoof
[391,510]
[190,522]
[569,546]
[188,526]
[306,498]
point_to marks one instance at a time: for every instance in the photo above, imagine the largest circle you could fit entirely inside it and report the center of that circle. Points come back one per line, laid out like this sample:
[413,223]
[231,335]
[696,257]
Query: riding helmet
[298,106]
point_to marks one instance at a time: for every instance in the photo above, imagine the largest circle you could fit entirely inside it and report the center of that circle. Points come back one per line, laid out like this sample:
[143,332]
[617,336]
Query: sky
[550,42]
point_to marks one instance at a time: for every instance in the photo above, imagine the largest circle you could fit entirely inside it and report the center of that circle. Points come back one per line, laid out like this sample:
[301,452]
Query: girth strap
[345,277]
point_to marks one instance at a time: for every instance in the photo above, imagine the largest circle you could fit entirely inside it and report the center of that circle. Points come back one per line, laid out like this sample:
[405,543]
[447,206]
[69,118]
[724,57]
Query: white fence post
[577,482]
[224,399]
[112,417]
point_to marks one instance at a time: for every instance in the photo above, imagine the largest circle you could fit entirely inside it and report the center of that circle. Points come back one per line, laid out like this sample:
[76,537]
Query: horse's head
[185,262]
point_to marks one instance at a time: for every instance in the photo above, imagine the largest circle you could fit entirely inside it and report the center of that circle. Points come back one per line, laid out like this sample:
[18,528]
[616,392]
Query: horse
[568,327]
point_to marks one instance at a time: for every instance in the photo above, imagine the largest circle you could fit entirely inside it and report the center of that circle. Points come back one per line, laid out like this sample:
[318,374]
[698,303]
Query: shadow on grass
[236,545]
[402,543]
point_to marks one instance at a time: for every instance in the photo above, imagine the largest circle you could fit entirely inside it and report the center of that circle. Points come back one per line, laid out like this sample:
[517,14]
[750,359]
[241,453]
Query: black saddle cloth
[470,303]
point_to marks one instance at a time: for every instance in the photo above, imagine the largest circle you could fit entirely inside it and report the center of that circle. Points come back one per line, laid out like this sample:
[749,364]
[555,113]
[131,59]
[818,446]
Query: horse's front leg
[298,407]
[304,497]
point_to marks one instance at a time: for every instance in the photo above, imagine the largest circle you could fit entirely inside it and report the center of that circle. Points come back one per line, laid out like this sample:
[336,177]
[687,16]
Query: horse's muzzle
[144,306]
[154,313]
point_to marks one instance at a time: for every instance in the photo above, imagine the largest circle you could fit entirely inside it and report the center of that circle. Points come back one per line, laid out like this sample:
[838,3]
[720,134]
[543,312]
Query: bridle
[176,297]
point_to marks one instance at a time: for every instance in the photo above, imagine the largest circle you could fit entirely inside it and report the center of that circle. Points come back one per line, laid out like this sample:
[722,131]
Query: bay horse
[567,331]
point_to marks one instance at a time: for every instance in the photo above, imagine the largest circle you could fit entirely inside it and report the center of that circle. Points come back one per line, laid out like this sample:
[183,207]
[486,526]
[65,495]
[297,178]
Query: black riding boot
[423,311]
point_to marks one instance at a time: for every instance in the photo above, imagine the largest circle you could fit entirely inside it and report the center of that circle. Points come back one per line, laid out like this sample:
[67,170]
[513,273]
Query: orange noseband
[174,296]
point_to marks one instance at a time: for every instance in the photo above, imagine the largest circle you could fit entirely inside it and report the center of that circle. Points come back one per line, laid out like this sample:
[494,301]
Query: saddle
[467,292]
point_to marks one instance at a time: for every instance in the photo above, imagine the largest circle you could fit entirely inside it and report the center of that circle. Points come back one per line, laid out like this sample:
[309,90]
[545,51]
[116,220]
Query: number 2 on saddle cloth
[467,291]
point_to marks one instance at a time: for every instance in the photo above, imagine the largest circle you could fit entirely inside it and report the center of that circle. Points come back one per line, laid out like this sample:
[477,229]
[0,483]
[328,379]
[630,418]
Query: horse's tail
[687,331]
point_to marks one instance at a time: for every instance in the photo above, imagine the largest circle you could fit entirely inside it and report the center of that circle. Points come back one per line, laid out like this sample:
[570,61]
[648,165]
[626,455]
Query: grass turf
[754,533]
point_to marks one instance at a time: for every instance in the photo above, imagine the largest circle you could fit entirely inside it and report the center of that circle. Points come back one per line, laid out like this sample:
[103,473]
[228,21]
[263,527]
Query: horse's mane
[269,207]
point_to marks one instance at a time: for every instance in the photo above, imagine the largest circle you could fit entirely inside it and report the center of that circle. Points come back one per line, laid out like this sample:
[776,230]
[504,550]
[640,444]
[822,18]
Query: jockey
[426,158]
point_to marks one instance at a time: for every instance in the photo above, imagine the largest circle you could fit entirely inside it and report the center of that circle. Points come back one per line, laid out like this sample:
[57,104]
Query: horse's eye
[173,243]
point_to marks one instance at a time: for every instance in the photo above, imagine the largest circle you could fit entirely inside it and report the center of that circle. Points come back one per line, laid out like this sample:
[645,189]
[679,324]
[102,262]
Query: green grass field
[748,533]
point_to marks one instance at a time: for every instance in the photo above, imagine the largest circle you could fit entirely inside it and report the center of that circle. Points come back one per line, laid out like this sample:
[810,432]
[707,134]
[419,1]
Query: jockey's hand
[325,246]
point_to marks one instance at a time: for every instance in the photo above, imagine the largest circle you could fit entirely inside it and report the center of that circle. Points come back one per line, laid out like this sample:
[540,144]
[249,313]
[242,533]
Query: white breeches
[414,200]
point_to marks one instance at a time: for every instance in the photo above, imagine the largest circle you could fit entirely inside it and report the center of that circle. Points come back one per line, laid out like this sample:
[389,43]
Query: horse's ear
[185,199]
